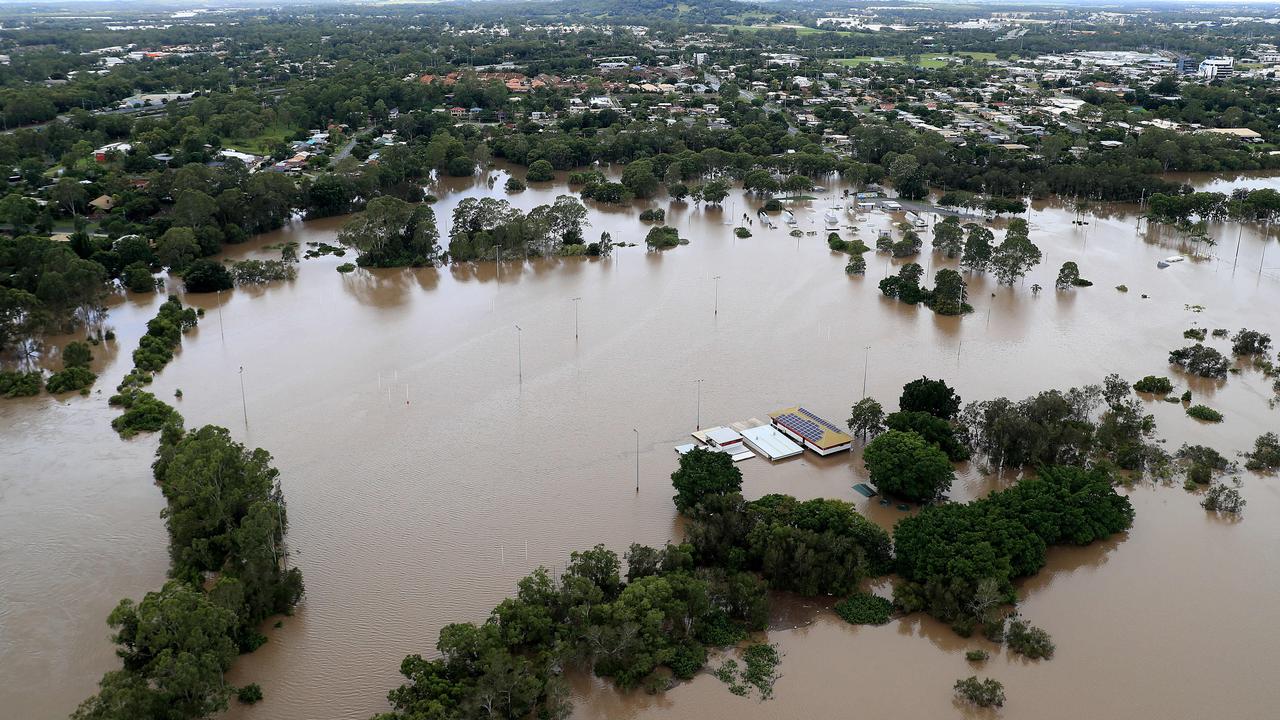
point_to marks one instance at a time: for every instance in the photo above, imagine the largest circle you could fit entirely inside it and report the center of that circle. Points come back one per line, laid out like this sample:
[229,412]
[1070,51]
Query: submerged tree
[393,233]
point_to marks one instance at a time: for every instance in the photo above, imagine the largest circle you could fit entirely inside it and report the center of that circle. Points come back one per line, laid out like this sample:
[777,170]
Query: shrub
[346,267]
[249,694]
[1194,334]
[742,232]
[20,384]
[1222,498]
[865,609]
[144,412]
[76,354]
[540,171]
[1265,454]
[977,656]
[257,272]
[1220,332]
[661,237]
[137,278]
[687,659]
[1200,360]
[654,215]
[1186,396]
[1154,384]
[772,205]
[1122,288]
[1250,342]
[983,693]
[71,379]
[857,265]
[1202,412]
[1029,640]
[515,184]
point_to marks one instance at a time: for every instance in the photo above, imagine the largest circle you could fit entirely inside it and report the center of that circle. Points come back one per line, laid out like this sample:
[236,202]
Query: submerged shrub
[1203,412]
[983,693]
[1029,640]
[864,609]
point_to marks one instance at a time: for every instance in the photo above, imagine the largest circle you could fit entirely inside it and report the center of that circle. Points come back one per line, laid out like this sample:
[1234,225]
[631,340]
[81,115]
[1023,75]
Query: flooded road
[432,454]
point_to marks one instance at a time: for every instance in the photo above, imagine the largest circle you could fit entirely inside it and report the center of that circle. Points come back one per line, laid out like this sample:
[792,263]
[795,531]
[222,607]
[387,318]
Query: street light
[519,355]
[866,356]
[717,305]
[699,416]
[637,432]
[244,407]
[575,316]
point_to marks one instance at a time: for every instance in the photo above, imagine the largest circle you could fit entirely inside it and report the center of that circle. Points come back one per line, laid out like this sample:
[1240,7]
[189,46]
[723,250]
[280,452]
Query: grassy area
[927,60]
[263,142]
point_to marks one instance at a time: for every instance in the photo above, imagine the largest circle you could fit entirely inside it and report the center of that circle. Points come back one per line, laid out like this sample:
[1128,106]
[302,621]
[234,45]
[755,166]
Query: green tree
[702,473]
[177,248]
[715,191]
[206,275]
[176,644]
[393,233]
[540,171]
[866,419]
[18,211]
[948,237]
[639,178]
[930,396]
[77,354]
[908,466]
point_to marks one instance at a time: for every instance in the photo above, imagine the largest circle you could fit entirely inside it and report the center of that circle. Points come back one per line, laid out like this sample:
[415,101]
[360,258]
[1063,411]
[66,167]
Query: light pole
[519,355]
[699,416]
[637,432]
[575,317]
[717,302]
[244,407]
[866,357]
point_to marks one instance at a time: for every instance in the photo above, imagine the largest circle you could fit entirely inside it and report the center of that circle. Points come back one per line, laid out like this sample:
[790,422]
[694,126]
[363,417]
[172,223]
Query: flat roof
[814,429]
[771,443]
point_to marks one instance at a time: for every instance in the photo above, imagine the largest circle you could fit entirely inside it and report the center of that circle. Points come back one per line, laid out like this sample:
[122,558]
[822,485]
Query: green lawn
[263,142]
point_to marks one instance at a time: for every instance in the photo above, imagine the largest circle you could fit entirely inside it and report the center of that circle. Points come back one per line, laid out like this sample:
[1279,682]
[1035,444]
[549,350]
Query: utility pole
[519,355]
[637,432]
[717,305]
[575,317]
[244,407]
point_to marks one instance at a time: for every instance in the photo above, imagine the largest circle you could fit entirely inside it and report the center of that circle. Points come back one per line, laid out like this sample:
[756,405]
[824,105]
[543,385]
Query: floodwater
[442,432]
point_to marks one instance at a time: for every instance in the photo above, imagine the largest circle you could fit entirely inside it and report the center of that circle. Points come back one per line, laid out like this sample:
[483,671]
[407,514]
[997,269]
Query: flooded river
[432,453]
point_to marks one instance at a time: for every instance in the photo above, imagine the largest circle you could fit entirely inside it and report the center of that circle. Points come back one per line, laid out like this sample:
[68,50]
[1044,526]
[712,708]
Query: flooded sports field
[442,432]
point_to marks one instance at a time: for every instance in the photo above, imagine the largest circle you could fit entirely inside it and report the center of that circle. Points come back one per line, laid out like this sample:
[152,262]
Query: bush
[206,275]
[1028,640]
[540,171]
[71,379]
[654,215]
[1195,334]
[76,354]
[662,237]
[742,232]
[772,205]
[977,656]
[1265,454]
[1222,498]
[687,659]
[137,278]
[249,694]
[1186,396]
[1202,412]
[20,384]
[1200,360]
[1154,384]
[515,185]
[1250,342]
[983,693]
[1122,288]
[857,265]
[257,272]
[144,412]
[346,267]
[864,609]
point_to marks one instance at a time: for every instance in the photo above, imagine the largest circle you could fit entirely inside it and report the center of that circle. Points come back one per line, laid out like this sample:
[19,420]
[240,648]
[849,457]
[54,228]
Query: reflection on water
[425,475]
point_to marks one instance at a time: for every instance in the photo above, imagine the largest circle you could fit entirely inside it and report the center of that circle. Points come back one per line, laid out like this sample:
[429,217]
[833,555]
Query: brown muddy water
[424,476]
